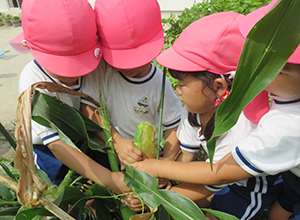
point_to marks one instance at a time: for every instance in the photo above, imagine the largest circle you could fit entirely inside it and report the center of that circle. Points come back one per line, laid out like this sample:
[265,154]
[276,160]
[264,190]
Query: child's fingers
[132,202]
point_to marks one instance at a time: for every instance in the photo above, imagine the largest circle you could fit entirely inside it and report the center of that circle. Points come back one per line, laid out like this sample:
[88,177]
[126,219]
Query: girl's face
[287,82]
[137,72]
[196,96]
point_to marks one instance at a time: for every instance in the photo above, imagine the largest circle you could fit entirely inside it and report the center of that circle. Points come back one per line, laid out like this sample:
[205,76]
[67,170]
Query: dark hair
[207,78]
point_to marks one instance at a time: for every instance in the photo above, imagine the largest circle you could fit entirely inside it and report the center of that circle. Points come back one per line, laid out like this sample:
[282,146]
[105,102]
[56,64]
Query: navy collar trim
[139,82]
[287,102]
[42,69]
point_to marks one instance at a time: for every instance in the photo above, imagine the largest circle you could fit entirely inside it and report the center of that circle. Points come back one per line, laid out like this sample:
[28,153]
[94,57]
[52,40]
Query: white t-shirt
[274,146]
[133,100]
[130,101]
[33,73]
[190,140]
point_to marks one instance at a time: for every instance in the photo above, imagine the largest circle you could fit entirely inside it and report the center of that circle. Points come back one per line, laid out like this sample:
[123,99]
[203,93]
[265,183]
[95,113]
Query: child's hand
[132,201]
[127,152]
[149,166]
[164,183]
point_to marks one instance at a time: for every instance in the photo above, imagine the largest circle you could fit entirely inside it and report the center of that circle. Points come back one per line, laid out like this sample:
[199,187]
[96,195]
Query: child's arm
[192,191]
[85,166]
[225,171]
[185,156]
[171,147]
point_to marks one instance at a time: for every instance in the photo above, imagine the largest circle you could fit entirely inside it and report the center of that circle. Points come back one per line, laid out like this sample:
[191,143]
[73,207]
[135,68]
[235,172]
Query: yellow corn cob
[144,139]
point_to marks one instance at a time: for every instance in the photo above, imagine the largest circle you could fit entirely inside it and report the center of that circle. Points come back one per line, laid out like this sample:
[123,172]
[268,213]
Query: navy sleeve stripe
[50,136]
[215,187]
[246,162]
[169,125]
[194,148]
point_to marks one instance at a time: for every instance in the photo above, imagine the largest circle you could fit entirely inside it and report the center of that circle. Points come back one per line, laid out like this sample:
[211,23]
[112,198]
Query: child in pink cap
[271,147]
[203,59]
[132,83]
[62,36]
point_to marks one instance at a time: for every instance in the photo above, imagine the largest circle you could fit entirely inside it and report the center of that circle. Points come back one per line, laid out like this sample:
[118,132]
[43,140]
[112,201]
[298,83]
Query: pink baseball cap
[212,43]
[249,21]
[130,31]
[62,35]
[16,43]
[259,106]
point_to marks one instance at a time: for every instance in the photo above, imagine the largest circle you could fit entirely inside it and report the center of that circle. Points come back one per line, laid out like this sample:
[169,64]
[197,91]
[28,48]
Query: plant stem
[162,96]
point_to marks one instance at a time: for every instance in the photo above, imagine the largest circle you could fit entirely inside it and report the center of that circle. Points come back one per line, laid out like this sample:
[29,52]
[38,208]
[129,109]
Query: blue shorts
[245,201]
[289,198]
[56,171]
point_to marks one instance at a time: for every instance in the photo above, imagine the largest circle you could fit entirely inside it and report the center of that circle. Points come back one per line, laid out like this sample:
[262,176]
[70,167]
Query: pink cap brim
[16,43]
[136,57]
[257,107]
[173,60]
[83,63]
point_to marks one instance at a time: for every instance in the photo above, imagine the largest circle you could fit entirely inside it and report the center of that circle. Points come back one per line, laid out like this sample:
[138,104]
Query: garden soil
[11,65]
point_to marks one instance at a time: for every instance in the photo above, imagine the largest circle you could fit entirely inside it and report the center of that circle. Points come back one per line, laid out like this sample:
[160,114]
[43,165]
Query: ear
[220,85]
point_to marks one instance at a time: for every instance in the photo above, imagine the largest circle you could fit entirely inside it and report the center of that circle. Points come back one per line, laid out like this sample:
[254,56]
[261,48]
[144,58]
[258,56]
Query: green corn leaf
[7,171]
[26,213]
[9,211]
[7,136]
[266,50]
[69,195]
[6,193]
[146,187]
[109,202]
[221,215]
[70,123]
[8,203]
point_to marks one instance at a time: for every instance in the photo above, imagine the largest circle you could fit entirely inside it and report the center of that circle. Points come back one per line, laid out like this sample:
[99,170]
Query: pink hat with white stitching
[130,31]
[259,106]
[16,43]
[212,43]
[62,35]
[248,22]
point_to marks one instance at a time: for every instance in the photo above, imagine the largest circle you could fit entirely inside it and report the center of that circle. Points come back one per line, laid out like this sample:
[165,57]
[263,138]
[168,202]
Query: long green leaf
[266,50]
[146,187]
[8,203]
[7,171]
[6,193]
[221,215]
[70,124]
[26,213]
[7,136]
[9,211]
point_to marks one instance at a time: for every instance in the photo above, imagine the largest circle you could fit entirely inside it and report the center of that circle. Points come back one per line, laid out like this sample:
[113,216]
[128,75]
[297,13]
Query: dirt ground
[11,65]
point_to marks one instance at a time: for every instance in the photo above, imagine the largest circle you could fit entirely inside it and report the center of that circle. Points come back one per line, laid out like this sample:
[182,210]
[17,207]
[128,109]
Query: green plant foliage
[146,187]
[174,25]
[266,50]
[71,124]
[15,18]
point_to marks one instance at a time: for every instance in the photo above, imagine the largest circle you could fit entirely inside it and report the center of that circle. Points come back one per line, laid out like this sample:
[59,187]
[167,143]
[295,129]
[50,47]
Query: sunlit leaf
[71,124]
[177,205]
[221,215]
